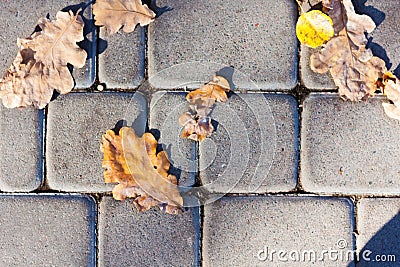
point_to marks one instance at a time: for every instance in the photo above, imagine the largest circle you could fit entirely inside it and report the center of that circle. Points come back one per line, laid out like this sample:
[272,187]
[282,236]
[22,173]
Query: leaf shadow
[172,169]
[158,10]
[384,243]
[397,71]
[378,17]
[89,44]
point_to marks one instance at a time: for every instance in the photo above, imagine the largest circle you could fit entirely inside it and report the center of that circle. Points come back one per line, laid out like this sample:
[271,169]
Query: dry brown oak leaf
[41,64]
[197,122]
[141,173]
[114,14]
[390,86]
[353,67]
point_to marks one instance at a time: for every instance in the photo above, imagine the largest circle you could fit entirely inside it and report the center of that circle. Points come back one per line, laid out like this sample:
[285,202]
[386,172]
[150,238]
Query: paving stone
[349,148]
[244,231]
[151,238]
[20,19]
[47,230]
[121,58]
[21,164]
[255,147]
[378,236]
[258,39]
[75,125]
[165,109]
[385,41]
[312,80]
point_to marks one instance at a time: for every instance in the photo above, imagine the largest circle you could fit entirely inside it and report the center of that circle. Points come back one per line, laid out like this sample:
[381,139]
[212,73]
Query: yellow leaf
[314,28]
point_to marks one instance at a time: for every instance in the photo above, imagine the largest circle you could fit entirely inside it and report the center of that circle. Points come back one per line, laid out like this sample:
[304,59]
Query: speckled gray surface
[165,109]
[255,146]
[20,20]
[121,58]
[130,238]
[378,231]
[236,229]
[384,41]
[75,125]
[349,147]
[258,39]
[47,230]
[21,163]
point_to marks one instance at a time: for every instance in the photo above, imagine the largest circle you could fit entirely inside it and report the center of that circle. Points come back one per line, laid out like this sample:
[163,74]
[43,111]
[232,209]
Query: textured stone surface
[385,41]
[237,228]
[255,145]
[75,125]
[152,238]
[21,144]
[311,79]
[165,109]
[20,18]
[349,147]
[47,230]
[378,232]
[258,39]
[121,58]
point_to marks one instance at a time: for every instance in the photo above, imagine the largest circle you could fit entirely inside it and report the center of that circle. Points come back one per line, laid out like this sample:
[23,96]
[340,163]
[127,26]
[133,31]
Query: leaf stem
[300,5]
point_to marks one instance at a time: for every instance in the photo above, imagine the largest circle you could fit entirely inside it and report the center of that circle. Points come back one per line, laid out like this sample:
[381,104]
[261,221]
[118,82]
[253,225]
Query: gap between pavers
[349,148]
[20,20]
[131,238]
[21,149]
[47,230]
[258,39]
[76,123]
[378,223]
[251,231]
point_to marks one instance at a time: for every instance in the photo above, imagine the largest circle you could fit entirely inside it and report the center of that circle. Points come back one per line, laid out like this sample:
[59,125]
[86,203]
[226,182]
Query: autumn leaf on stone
[352,65]
[390,86]
[41,65]
[114,14]
[141,173]
[197,122]
[314,28]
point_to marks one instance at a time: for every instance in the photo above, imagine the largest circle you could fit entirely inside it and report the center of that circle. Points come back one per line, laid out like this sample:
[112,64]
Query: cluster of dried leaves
[197,122]
[355,70]
[41,65]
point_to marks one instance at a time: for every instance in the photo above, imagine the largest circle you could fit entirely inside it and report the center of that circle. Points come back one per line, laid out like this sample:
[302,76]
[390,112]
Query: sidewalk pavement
[312,180]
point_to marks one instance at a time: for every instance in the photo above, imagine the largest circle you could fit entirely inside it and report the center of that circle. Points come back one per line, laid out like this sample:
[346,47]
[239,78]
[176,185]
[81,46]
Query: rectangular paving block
[278,231]
[197,38]
[165,110]
[47,230]
[121,58]
[254,148]
[76,123]
[349,148]
[378,223]
[21,149]
[152,238]
[384,41]
[20,19]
